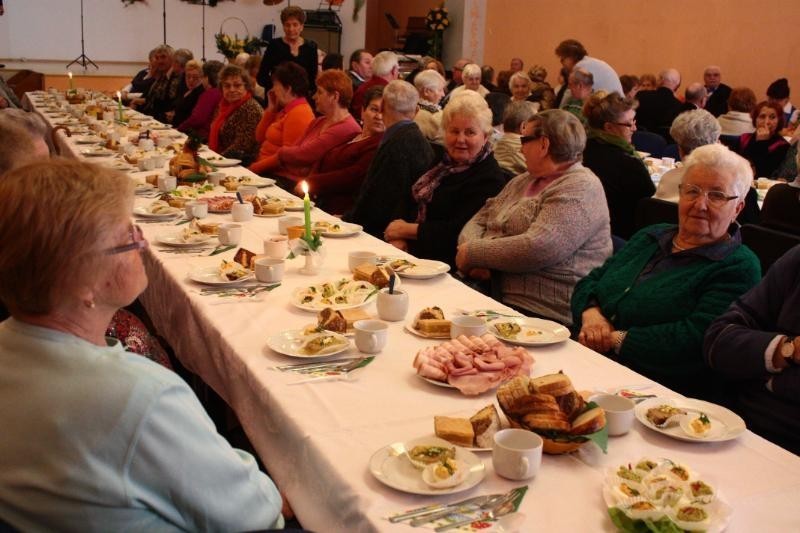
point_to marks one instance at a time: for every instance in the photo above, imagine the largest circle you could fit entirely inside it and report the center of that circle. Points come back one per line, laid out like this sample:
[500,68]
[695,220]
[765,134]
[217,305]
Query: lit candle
[119,101]
[307,209]
[71,88]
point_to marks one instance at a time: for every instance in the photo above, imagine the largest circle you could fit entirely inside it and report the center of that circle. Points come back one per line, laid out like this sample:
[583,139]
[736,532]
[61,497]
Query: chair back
[652,143]
[767,243]
[655,211]
[731,141]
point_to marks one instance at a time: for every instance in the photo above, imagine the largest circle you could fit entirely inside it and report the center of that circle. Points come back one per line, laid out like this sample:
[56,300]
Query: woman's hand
[481,274]
[762,134]
[400,244]
[399,229]
[596,332]
[272,101]
[461,257]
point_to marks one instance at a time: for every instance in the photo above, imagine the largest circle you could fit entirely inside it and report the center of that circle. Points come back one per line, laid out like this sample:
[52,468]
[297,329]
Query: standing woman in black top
[290,47]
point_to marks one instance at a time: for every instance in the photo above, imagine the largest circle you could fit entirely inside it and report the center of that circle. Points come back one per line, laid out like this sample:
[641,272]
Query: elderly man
[457,79]
[360,67]
[573,55]
[718,92]
[403,156]
[694,97]
[169,82]
[657,109]
[580,87]
[385,68]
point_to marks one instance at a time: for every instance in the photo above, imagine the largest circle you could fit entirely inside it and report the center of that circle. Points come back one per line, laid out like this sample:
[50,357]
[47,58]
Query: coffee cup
[247,191]
[392,307]
[517,453]
[370,335]
[230,234]
[196,209]
[242,212]
[276,246]
[357,258]
[159,160]
[285,222]
[146,163]
[146,145]
[167,183]
[269,270]
[619,412]
[214,178]
[467,325]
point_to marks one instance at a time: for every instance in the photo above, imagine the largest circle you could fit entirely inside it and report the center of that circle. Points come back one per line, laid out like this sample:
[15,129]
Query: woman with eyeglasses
[233,130]
[609,154]
[649,305]
[102,438]
[546,229]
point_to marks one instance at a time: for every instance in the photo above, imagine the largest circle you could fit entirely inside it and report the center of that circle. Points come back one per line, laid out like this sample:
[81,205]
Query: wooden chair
[768,244]
[655,211]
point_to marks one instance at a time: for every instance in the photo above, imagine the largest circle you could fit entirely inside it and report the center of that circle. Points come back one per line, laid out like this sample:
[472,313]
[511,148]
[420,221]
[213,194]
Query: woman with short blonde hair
[430,85]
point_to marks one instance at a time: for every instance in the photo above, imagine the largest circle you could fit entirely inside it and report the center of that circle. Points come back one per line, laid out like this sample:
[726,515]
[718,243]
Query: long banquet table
[316,439]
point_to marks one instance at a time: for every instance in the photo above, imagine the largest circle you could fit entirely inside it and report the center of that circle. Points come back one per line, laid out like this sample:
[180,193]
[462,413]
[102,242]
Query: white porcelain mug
[270,270]
[357,258]
[371,335]
[163,141]
[285,222]
[517,453]
[214,178]
[230,234]
[167,183]
[196,209]
[242,212]
[276,246]
[392,307]
[247,191]
[146,145]
[619,412]
[467,325]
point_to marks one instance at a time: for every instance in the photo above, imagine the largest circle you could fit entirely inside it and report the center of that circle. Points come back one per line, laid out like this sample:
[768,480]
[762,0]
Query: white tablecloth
[316,439]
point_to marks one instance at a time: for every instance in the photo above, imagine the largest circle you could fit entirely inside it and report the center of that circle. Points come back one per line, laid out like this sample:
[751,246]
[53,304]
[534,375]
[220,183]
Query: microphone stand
[82,59]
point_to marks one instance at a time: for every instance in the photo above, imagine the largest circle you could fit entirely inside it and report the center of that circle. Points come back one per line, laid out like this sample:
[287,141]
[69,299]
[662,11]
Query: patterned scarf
[225,110]
[427,184]
[607,138]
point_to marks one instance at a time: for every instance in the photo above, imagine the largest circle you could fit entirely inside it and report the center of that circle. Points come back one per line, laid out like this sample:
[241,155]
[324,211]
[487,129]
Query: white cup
[159,160]
[247,190]
[354,259]
[196,209]
[619,412]
[146,145]
[230,234]
[215,177]
[276,246]
[147,163]
[167,183]
[129,148]
[467,325]
[371,335]
[285,222]
[242,212]
[270,270]
[164,141]
[668,161]
[392,307]
[517,453]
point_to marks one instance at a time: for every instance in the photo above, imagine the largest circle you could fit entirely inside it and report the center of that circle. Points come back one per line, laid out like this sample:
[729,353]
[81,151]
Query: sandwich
[456,430]
[246,258]
[377,275]
[332,320]
[267,206]
[431,321]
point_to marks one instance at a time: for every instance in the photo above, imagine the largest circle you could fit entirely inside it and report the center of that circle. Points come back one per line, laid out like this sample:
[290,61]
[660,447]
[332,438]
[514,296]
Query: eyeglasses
[631,124]
[530,138]
[139,242]
[715,198]
[233,85]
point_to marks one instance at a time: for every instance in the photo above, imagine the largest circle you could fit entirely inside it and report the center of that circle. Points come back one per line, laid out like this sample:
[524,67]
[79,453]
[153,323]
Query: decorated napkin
[327,370]
[240,293]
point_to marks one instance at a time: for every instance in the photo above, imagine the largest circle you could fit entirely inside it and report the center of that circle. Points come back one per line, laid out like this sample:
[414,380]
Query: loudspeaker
[327,40]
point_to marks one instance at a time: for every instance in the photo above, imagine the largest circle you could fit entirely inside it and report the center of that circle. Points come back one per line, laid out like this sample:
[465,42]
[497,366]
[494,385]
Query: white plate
[297,296]
[97,152]
[210,276]
[144,213]
[345,230]
[409,327]
[144,188]
[551,332]
[257,181]
[88,139]
[469,448]
[290,342]
[391,466]
[175,239]
[732,424]
[155,126]
[224,162]
[294,204]
[424,269]
[270,215]
[443,384]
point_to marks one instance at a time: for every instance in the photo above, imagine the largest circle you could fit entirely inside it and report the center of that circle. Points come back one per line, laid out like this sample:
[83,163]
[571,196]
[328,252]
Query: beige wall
[753,41]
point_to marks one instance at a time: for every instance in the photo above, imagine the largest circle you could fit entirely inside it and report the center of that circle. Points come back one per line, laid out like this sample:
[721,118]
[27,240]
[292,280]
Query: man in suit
[385,68]
[360,67]
[694,97]
[657,109]
[718,92]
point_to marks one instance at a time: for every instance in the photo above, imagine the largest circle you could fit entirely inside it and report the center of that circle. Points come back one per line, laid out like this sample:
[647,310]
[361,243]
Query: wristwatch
[787,349]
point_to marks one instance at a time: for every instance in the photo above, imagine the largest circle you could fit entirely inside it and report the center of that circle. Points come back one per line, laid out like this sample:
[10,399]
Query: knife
[447,508]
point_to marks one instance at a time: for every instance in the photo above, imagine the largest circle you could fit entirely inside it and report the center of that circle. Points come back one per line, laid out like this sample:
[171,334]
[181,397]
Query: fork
[492,514]
[492,502]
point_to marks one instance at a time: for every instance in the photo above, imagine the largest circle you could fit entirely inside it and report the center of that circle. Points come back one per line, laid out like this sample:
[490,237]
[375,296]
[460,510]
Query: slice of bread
[332,320]
[554,384]
[555,421]
[245,257]
[364,272]
[353,315]
[589,422]
[455,430]
[431,326]
[485,423]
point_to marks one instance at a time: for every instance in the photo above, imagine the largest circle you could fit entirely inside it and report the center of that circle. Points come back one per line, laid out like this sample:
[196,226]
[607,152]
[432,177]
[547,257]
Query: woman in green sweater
[650,304]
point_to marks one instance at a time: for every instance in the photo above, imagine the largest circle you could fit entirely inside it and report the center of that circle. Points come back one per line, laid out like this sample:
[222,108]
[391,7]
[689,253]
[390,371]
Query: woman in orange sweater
[286,117]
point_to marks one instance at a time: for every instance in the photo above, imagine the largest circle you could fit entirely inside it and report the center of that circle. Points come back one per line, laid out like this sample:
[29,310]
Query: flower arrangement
[437,21]
[230,47]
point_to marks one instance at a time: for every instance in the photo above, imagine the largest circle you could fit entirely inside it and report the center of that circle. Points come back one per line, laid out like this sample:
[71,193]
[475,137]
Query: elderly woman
[471,75]
[335,127]
[199,121]
[610,155]
[520,87]
[291,47]
[252,66]
[139,452]
[580,83]
[650,304]
[184,104]
[738,120]
[233,130]
[690,130]
[508,148]
[286,117]
[430,85]
[337,177]
[765,148]
[548,227]
[447,195]
[755,347]
[630,85]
